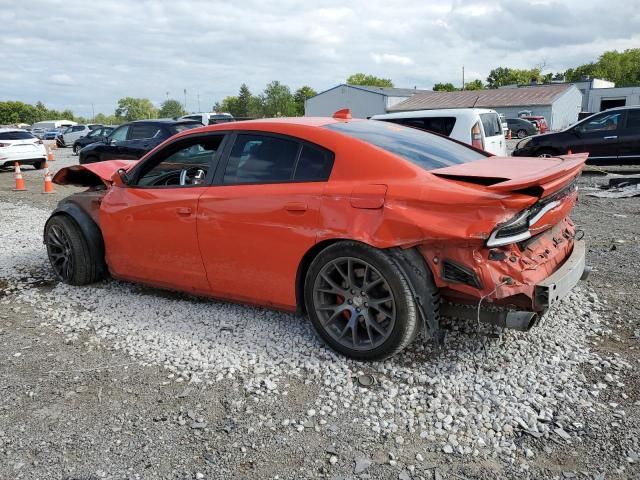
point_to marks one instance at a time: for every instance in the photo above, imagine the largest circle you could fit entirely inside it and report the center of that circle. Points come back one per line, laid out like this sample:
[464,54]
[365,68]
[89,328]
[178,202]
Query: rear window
[491,124]
[181,127]
[424,149]
[442,125]
[15,136]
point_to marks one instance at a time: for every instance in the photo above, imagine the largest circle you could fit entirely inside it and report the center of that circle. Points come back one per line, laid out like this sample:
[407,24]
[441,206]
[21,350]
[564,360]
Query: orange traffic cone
[48,184]
[49,154]
[19,180]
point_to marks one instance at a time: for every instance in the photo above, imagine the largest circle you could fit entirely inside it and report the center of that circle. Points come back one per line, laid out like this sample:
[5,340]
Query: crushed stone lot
[116,380]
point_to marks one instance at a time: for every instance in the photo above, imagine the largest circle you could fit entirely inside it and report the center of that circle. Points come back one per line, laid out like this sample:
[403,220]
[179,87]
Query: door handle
[296,207]
[612,137]
[184,211]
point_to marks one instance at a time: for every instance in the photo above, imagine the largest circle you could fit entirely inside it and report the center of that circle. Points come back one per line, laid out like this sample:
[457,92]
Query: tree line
[278,100]
[623,68]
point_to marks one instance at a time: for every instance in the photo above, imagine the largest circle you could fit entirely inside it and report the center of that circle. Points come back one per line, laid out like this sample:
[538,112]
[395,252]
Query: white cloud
[391,58]
[61,79]
[147,48]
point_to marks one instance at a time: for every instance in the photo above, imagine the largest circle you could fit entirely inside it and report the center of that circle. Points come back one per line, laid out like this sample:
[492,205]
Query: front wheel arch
[90,230]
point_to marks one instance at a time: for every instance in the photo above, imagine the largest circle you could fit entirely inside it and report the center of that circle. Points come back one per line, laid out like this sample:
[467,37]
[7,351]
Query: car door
[149,224]
[494,141]
[115,143]
[261,215]
[629,138]
[598,136]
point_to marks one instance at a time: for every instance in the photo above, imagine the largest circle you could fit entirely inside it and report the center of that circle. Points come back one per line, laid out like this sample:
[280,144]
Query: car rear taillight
[39,142]
[476,136]
[2,145]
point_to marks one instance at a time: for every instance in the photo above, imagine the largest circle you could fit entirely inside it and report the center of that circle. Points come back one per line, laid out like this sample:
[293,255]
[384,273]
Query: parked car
[133,140]
[71,134]
[520,127]
[209,118]
[17,145]
[363,224]
[52,134]
[478,127]
[609,137]
[38,132]
[539,121]
[97,135]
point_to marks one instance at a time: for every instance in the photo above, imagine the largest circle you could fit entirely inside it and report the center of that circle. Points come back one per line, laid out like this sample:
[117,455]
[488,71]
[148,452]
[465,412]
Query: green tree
[171,109]
[244,101]
[230,105]
[278,101]
[130,109]
[474,85]
[444,87]
[303,93]
[502,76]
[368,80]
[623,68]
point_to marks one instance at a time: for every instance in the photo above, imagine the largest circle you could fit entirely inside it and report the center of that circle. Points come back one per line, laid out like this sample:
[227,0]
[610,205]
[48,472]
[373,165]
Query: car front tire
[360,302]
[69,252]
[521,133]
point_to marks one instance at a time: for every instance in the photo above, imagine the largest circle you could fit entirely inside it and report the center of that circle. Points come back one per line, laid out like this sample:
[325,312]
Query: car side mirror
[120,178]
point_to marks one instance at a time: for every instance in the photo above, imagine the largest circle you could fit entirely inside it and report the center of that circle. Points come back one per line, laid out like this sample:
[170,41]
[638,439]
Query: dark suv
[611,137]
[132,140]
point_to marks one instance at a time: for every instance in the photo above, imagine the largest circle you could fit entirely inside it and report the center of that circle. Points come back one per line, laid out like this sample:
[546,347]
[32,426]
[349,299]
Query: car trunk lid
[518,174]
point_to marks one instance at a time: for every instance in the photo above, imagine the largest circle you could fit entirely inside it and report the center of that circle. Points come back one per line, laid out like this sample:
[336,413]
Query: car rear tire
[360,302]
[38,165]
[76,149]
[521,133]
[69,252]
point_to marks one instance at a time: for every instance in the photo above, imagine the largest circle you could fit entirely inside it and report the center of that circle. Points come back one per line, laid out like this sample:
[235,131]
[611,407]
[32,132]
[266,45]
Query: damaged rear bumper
[547,293]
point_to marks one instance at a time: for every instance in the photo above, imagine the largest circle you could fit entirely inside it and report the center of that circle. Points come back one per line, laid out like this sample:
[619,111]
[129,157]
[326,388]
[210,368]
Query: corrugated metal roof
[504,97]
[391,91]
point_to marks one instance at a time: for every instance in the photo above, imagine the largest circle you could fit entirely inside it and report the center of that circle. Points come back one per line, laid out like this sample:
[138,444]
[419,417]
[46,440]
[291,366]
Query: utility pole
[167,95]
[199,101]
[462,77]
[185,101]
[93,113]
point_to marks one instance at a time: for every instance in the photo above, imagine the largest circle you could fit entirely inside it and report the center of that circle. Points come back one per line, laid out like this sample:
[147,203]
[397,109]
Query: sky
[75,54]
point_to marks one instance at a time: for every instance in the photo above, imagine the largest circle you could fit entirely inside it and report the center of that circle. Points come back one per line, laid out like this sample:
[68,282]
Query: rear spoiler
[571,166]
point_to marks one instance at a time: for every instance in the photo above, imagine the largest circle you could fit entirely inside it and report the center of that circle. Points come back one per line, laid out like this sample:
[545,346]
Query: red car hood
[508,174]
[92,173]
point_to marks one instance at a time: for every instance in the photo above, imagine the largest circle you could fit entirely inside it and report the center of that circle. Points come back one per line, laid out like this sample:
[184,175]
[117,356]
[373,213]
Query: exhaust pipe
[522,321]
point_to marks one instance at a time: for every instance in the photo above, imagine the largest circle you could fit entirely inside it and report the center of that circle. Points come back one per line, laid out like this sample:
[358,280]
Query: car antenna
[476,101]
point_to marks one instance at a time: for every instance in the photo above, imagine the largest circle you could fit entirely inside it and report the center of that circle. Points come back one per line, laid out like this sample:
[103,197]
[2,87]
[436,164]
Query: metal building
[558,103]
[363,101]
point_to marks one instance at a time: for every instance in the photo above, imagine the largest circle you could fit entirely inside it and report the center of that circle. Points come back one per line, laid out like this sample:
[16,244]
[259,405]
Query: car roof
[436,112]
[163,121]
[11,129]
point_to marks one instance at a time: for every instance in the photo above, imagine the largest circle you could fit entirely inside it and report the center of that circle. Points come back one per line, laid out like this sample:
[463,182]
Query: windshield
[424,149]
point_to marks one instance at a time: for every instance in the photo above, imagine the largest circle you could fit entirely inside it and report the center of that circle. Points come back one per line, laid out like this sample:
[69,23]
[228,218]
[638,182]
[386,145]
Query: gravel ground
[121,381]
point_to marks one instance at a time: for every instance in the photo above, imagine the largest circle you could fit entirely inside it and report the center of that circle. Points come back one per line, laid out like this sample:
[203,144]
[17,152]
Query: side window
[77,128]
[602,123]
[94,133]
[491,124]
[143,130]
[120,133]
[182,164]
[261,159]
[314,164]
[633,120]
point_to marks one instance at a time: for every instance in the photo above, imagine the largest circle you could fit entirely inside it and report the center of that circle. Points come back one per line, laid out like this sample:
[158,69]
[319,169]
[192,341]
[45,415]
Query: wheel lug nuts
[366,304]
[349,302]
[353,292]
[358,309]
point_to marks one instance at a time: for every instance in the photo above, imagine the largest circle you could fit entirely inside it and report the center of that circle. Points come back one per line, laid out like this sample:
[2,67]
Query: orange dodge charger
[373,229]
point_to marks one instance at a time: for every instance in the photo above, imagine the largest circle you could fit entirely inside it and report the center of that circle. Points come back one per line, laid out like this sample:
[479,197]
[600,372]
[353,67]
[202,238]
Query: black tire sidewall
[521,133]
[406,322]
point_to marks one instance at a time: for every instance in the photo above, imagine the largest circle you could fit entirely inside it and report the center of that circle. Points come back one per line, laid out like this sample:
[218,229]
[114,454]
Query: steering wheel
[192,176]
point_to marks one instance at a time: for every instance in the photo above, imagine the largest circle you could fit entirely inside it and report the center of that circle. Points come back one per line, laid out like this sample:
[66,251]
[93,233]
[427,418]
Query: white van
[479,127]
[209,118]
